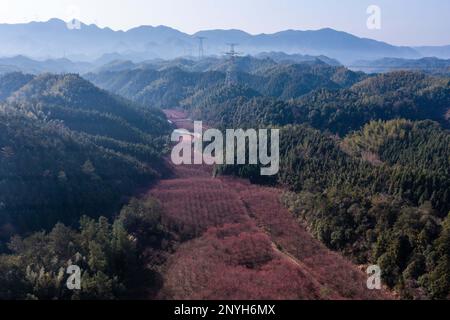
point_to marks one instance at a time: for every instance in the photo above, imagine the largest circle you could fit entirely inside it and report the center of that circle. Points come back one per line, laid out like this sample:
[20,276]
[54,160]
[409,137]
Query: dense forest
[408,95]
[113,258]
[381,196]
[168,87]
[330,98]
[72,156]
[70,149]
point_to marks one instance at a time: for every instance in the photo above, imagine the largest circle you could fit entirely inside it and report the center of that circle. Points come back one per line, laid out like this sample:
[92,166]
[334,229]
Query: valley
[187,152]
[363,180]
[237,241]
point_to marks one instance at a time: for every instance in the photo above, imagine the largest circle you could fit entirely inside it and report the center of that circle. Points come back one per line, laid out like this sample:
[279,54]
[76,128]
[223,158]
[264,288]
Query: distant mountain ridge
[429,65]
[54,39]
[24,64]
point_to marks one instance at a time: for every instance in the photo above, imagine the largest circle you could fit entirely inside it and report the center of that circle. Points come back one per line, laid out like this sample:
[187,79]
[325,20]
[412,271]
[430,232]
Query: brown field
[237,241]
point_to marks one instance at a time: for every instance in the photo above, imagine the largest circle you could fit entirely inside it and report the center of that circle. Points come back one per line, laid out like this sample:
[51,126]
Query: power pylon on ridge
[231,76]
[232,54]
[201,49]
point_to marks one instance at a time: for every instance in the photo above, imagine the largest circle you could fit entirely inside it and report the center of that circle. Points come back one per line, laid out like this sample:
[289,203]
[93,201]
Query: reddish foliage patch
[241,243]
[235,262]
[191,206]
[329,268]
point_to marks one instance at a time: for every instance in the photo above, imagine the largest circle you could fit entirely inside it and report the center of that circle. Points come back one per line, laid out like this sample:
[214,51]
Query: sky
[403,22]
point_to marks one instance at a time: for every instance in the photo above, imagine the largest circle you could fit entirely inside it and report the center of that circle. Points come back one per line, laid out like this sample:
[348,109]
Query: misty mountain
[55,39]
[428,65]
[441,52]
[24,64]
[281,57]
[339,45]
[247,64]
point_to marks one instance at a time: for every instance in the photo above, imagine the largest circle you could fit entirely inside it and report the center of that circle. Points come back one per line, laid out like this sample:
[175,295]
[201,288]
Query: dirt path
[237,241]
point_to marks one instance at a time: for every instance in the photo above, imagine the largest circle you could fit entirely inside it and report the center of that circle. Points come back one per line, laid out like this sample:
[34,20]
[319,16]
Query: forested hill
[408,95]
[12,82]
[71,98]
[328,97]
[381,196]
[70,149]
[168,87]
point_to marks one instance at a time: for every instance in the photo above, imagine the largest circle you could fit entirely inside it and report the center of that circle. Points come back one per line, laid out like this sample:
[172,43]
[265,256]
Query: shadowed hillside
[69,149]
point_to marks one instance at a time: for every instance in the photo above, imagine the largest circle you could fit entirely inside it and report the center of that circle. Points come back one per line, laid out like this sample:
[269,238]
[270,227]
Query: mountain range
[54,39]
[429,65]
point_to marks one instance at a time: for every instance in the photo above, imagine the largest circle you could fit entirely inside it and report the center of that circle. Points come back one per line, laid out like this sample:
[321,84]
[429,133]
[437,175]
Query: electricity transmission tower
[201,49]
[231,76]
[232,54]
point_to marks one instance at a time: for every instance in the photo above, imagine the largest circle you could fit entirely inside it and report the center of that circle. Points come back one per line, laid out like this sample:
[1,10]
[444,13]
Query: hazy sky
[404,22]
